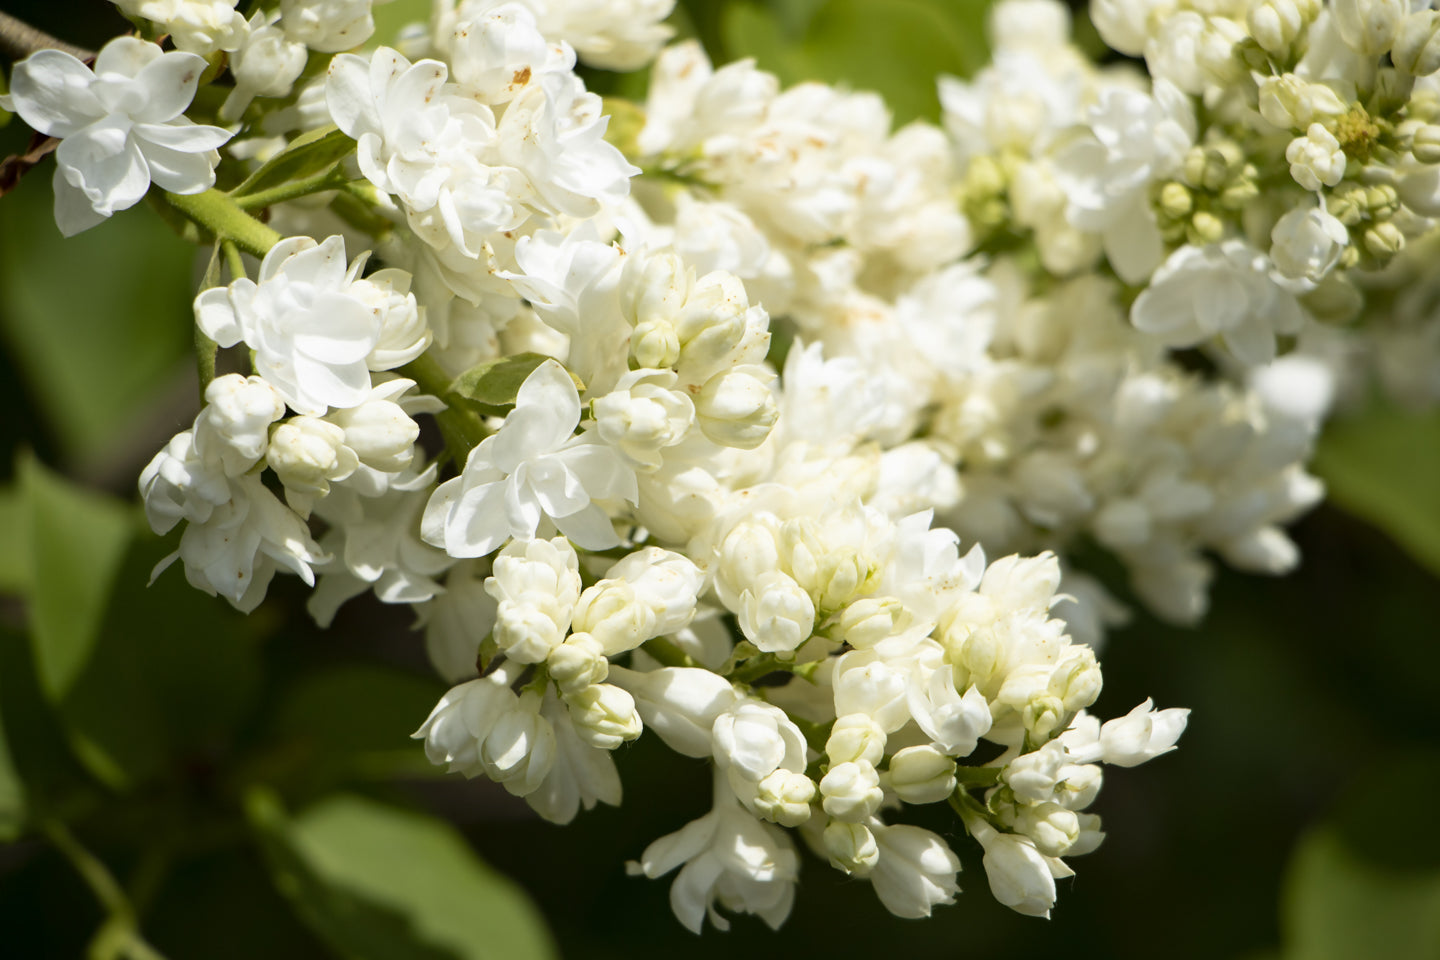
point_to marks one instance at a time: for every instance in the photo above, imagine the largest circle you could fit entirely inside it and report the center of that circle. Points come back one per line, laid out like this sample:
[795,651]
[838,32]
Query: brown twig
[18,40]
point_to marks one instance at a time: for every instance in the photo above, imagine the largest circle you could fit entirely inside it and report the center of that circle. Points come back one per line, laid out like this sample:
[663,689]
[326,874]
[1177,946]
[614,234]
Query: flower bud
[307,453]
[1077,680]
[712,322]
[1295,103]
[577,663]
[681,704]
[1033,776]
[775,613]
[851,847]
[234,427]
[611,613]
[1053,829]
[1175,200]
[736,409]
[1426,144]
[520,748]
[266,65]
[668,583]
[1384,240]
[653,290]
[527,633]
[874,688]
[1316,158]
[855,737]
[1142,734]
[1019,876]
[747,552]
[755,739]
[784,798]
[381,434]
[654,344]
[1043,715]
[1307,242]
[604,715]
[643,414]
[1368,27]
[869,620]
[1417,45]
[922,775]
[851,791]
[328,26]
[1275,24]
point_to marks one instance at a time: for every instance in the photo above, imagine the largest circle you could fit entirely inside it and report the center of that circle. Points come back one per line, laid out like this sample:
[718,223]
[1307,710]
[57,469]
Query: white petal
[51,93]
[73,212]
[169,82]
[126,56]
[107,164]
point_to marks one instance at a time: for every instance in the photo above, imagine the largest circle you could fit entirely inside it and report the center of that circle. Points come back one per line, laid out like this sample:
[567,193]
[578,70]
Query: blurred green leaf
[36,752]
[377,882]
[96,322]
[1384,466]
[14,544]
[77,542]
[391,17]
[356,719]
[1337,907]
[12,792]
[894,47]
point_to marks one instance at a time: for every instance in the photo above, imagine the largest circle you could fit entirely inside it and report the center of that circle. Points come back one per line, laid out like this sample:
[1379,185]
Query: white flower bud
[873,688]
[1368,27]
[655,344]
[747,552]
[1316,158]
[1043,715]
[611,613]
[784,798]
[855,737]
[775,613]
[1076,680]
[713,322]
[381,434]
[577,663]
[1090,837]
[653,290]
[520,749]
[736,409]
[1293,102]
[266,65]
[1307,242]
[681,704]
[307,453]
[870,620]
[234,428]
[1053,828]
[1079,785]
[526,633]
[1019,875]
[1033,776]
[851,847]
[667,582]
[328,26]
[643,414]
[922,774]
[916,870]
[755,739]
[1142,734]
[1276,23]
[1425,144]
[404,334]
[1384,239]
[851,791]
[604,715]
[1417,45]
[536,584]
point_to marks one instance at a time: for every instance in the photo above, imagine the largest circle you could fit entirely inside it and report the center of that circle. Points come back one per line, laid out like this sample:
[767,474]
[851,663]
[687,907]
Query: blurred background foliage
[244,786]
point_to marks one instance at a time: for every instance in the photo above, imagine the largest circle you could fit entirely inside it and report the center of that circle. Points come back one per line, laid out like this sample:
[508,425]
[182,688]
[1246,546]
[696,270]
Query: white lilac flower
[195,26]
[915,870]
[121,126]
[311,334]
[534,468]
[730,859]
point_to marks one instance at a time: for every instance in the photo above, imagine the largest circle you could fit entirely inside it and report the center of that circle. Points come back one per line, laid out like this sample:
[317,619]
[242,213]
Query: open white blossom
[122,126]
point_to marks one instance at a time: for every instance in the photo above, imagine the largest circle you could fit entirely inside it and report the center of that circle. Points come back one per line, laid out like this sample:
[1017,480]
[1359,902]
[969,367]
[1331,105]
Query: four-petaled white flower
[121,126]
[534,467]
[310,331]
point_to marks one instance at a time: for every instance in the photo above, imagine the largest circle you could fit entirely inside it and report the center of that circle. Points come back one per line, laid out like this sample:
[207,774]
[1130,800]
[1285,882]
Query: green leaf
[14,544]
[37,757]
[1337,907]
[1384,466]
[305,156]
[12,792]
[380,883]
[355,720]
[496,382]
[99,323]
[894,47]
[77,543]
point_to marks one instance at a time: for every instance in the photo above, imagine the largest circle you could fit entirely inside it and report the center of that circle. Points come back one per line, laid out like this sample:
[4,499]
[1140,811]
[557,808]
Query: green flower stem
[668,653]
[223,217]
[118,936]
[757,667]
[978,776]
[331,178]
[233,263]
[462,427]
